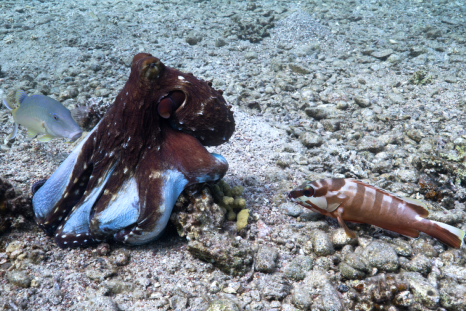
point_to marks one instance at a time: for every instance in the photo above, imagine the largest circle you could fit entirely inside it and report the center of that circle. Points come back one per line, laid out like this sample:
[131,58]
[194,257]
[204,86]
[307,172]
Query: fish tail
[447,234]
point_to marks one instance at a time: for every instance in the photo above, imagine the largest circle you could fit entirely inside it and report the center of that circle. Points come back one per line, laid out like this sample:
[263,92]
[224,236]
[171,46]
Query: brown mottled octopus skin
[123,179]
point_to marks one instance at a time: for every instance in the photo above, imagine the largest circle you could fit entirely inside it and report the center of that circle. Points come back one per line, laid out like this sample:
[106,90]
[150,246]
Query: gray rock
[451,79]
[102,92]
[402,248]
[179,302]
[19,278]
[274,286]
[382,54]
[299,69]
[291,209]
[415,134]
[100,303]
[349,272]
[322,243]
[297,269]
[310,140]
[324,296]
[342,105]
[331,125]
[358,262]
[455,272]
[381,255]
[301,297]
[193,38]
[266,259]
[362,102]
[453,256]
[395,98]
[219,42]
[250,55]
[423,291]
[419,263]
[318,113]
[340,238]
[369,143]
[116,286]
[415,51]
[420,246]
[408,176]
[453,297]
[223,305]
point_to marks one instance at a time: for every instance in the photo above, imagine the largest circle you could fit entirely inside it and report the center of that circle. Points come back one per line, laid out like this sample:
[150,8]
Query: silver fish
[41,114]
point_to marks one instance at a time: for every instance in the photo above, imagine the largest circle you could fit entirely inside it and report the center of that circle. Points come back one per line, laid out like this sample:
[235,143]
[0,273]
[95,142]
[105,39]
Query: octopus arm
[55,198]
[161,178]
[75,231]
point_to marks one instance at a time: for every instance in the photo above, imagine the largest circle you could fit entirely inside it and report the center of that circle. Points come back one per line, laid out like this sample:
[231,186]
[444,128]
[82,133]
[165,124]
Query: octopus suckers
[63,236]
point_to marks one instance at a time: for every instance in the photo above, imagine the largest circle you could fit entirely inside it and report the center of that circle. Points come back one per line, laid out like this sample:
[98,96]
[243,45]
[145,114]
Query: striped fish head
[318,195]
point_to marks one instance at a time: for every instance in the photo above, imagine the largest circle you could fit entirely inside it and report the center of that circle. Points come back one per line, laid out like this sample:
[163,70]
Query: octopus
[121,182]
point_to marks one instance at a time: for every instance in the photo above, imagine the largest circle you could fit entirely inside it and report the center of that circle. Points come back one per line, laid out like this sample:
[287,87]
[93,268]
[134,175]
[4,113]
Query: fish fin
[447,234]
[20,96]
[334,200]
[414,204]
[31,133]
[418,206]
[45,138]
[7,105]
[12,134]
[342,223]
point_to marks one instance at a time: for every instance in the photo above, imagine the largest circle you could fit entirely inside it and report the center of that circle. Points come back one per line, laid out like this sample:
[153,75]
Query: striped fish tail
[447,234]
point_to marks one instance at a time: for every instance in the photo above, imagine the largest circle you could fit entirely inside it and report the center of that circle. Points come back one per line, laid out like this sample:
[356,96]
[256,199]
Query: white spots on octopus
[181,77]
[129,138]
[125,170]
[126,93]
[155,174]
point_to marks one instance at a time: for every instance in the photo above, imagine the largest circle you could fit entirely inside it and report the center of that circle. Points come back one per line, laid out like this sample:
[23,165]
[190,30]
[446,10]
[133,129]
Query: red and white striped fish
[355,201]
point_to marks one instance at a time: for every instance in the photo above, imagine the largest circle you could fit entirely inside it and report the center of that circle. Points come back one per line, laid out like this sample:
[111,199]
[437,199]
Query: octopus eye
[169,104]
[308,191]
[152,70]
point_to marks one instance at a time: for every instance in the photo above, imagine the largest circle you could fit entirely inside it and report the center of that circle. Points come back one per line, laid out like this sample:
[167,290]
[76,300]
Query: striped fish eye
[55,117]
[308,191]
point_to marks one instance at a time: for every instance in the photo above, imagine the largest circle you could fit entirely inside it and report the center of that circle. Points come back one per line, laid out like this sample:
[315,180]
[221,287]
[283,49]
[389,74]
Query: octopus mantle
[123,179]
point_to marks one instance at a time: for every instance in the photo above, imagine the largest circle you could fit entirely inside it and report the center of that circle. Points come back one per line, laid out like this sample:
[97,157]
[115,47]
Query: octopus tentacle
[75,230]
[160,182]
[57,196]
